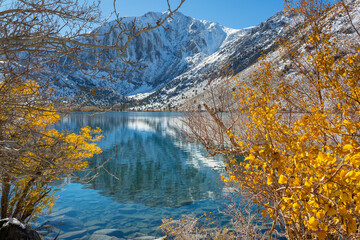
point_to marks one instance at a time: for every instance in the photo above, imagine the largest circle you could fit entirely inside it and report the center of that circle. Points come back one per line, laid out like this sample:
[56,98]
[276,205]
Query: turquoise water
[159,176]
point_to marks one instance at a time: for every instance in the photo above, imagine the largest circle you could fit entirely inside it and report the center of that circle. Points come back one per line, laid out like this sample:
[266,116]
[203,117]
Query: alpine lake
[158,175]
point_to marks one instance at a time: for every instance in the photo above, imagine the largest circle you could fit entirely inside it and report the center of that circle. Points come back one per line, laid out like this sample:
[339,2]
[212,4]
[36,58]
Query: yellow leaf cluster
[37,154]
[302,137]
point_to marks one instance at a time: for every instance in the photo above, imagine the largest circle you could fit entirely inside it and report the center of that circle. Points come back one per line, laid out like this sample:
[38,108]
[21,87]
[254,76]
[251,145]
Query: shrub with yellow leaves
[300,129]
[303,161]
[33,155]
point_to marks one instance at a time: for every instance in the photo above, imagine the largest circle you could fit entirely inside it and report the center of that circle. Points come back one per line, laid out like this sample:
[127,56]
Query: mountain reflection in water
[153,165]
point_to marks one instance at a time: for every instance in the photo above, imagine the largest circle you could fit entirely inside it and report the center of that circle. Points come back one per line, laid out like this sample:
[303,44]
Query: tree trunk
[5,191]
[22,199]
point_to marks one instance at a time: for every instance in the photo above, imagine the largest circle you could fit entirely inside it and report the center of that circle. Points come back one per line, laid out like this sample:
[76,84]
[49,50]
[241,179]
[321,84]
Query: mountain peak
[177,58]
[154,14]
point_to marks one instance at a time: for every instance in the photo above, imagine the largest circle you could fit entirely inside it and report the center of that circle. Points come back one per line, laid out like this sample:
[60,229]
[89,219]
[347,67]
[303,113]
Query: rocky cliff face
[167,52]
[239,52]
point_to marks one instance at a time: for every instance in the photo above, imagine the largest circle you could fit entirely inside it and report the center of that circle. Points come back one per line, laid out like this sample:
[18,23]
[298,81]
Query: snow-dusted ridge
[239,51]
[180,61]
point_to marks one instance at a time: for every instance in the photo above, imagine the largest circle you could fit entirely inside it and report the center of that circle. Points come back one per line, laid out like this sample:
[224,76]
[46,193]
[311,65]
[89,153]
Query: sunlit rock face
[178,56]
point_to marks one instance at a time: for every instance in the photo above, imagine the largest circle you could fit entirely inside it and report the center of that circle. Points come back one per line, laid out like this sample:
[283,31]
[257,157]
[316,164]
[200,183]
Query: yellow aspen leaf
[296,207]
[308,184]
[297,181]
[320,214]
[270,211]
[263,213]
[350,174]
[250,157]
[313,223]
[348,148]
[283,207]
[342,173]
[283,179]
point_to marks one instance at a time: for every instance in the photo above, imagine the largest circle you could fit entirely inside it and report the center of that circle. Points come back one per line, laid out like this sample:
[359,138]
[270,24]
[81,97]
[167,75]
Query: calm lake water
[160,176]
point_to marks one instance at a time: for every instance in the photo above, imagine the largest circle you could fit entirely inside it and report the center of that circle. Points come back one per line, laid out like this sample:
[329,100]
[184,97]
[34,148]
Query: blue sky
[230,13]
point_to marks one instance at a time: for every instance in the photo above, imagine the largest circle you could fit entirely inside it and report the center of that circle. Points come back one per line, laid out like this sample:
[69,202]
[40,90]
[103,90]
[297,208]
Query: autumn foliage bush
[302,143]
[299,127]
[33,154]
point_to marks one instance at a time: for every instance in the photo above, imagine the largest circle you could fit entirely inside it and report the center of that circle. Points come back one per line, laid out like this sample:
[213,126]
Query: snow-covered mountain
[181,59]
[238,54]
